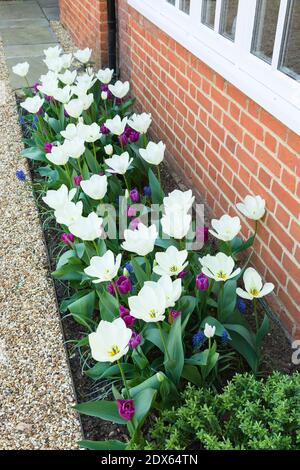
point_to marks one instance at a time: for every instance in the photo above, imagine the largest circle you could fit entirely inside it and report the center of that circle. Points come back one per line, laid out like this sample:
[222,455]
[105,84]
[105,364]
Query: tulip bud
[134,136]
[173,315]
[108,149]
[104,95]
[131,211]
[123,139]
[202,282]
[104,129]
[48,147]
[126,194]
[182,274]
[134,195]
[124,285]
[135,340]
[134,224]
[160,377]
[126,273]
[77,180]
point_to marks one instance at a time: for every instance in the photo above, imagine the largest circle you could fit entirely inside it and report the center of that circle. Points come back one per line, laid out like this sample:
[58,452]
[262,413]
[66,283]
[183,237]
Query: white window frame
[264,83]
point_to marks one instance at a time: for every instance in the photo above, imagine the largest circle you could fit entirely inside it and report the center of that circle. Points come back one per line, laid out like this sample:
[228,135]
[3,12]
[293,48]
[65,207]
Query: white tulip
[58,155]
[57,198]
[86,100]
[209,330]
[104,95]
[110,341]
[74,148]
[116,125]
[179,200]
[252,207]
[176,224]
[95,187]
[219,267]
[70,132]
[68,77]
[170,262]
[63,95]
[172,289]
[69,213]
[54,64]
[140,122]
[90,133]
[53,52]
[74,108]
[153,153]
[105,76]
[119,89]
[150,303]
[108,149]
[83,55]
[140,241]
[84,83]
[226,228]
[87,228]
[21,69]
[33,105]
[119,163]
[104,268]
[49,84]
[67,60]
[254,286]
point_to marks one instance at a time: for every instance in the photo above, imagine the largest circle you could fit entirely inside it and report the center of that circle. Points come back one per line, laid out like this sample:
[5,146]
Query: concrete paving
[25,33]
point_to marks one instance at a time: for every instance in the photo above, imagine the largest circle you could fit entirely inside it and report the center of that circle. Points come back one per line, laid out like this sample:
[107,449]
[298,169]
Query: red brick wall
[86,20]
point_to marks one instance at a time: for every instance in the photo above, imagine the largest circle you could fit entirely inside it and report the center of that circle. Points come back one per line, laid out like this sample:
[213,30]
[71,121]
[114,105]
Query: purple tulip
[134,224]
[101,173]
[182,274]
[41,112]
[202,282]
[134,195]
[48,98]
[119,101]
[125,315]
[135,340]
[35,87]
[173,315]
[127,131]
[124,285]
[104,129]
[77,180]
[110,288]
[48,147]
[134,136]
[67,238]
[131,211]
[104,87]
[123,139]
[126,409]
[66,114]
[202,234]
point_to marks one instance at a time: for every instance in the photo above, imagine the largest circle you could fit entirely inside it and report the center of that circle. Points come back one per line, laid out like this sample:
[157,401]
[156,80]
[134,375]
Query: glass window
[290,53]
[265,29]
[184,5]
[208,12]
[228,18]
[171,1]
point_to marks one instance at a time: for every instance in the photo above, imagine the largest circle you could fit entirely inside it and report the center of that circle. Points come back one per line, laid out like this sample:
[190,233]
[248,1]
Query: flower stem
[158,174]
[68,175]
[95,246]
[115,289]
[148,266]
[94,150]
[123,378]
[255,314]
[126,182]
[163,340]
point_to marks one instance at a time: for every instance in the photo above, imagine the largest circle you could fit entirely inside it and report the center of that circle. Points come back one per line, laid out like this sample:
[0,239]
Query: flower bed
[158,305]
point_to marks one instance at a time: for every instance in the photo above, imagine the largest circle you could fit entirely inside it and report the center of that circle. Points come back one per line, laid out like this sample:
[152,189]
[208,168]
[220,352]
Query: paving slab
[52,13]
[23,23]
[18,10]
[36,69]
[47,3]
[33,35]
[27,50]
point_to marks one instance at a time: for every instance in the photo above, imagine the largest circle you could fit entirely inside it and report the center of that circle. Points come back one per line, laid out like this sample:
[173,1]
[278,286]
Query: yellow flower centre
[152,313]
[222,275]
[253,291]
[114,351]
[173,269]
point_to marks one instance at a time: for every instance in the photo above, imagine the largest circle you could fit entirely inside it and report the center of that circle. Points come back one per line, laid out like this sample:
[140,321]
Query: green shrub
[248,414]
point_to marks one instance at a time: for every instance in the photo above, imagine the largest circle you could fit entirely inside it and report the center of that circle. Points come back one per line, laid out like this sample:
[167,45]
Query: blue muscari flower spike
[147,191]
[129,267]
[22,120]
[20,175]
[225,337]
[198,339]
[242,306]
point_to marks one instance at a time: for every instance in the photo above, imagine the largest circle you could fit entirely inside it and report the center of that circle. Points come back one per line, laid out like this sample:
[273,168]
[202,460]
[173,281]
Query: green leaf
[55,125]
[139,358]
[192,374]
[242,341]
[68,272]
[174,365]
[227,299]
[91,161]
[139,273]
[103,445]
[142,404]
[106,370]
[33,153]
[244,245]
[82,309]
[108,306]
[186,305]
[157,193]
[152,334]
[104,409]
[153,382]
[64,258]
[199,359]
[263,330]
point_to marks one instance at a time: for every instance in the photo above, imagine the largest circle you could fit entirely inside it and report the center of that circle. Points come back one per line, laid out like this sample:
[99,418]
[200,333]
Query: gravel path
[36,392]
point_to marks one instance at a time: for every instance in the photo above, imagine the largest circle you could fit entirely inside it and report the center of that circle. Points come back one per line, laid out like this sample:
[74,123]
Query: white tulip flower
[69,213]
[254,286]
[67,60]
[74,148]
[119,89]
[176,224]
[219,267]
[110,341]
[74,108]
[68,77]
[87,228]
[170,262]
[53,52]
[54,64]
[57,198]
[104,268]
[21,69]
[63,95]
[116,125]
[83,55]
[209,331]
[104,95]
[49,85]
[86,100]
[150,303]
[58,155]
[179,200]
[153,153]
[172,289]
[105,76]
[140,122]
[95,187]
[140,241]
[108,149]
[33,105]
[84,83]
[70,132]
[252,207]
[119,163]
[226,228]
[90,133]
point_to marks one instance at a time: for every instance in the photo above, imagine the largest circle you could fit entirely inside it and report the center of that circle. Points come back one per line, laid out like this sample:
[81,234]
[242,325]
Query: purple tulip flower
[134,195]
[202,282]
[125,315]
[124,285]
[135,340]
[126,409]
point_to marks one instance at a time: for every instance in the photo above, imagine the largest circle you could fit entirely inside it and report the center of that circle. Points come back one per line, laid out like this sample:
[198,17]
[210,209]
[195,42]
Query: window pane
[290,56]
[184,5]
[171,1]
[208,12]
[265,29]
[228,18]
